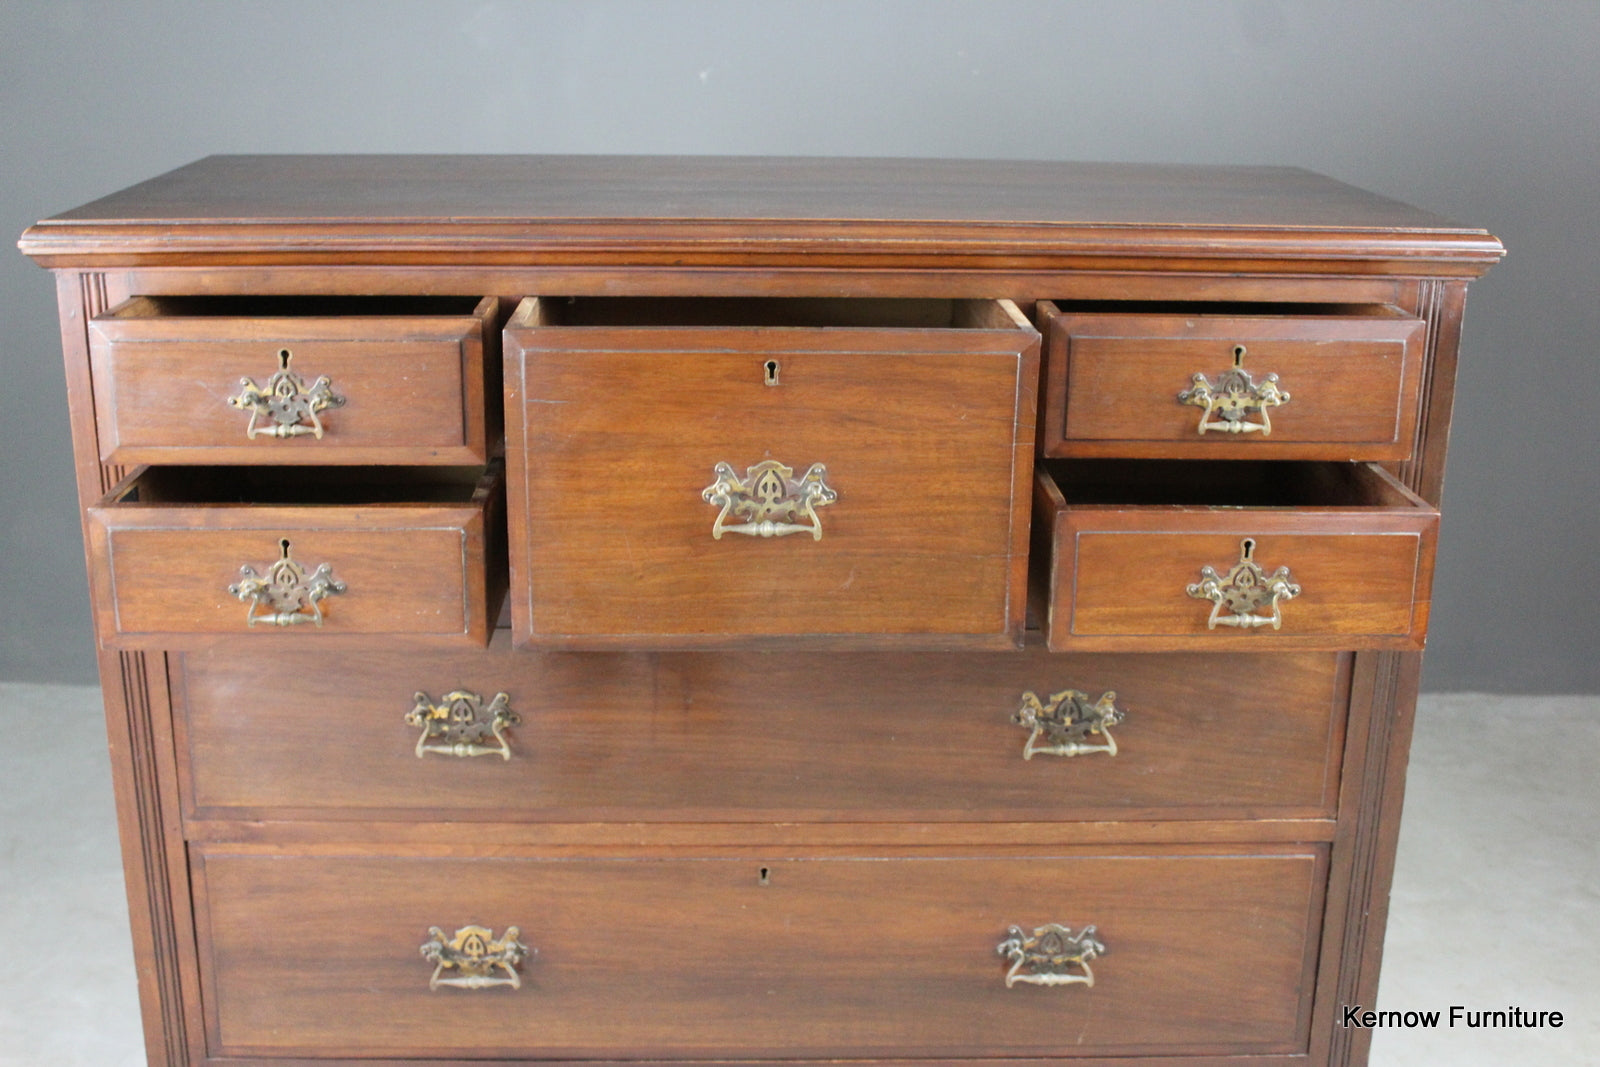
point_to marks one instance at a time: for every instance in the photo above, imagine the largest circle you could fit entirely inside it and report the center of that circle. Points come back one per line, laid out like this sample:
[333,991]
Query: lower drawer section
[757,957]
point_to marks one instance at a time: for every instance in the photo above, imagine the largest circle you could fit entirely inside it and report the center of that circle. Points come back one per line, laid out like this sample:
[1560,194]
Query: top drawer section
[717,473]
[1330,382]
[302,380]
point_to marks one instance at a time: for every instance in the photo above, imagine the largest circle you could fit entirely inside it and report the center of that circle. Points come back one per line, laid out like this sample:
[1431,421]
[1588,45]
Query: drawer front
[1238,578]
[717,486]
[1331,387]
[760,957]
[172,385]
[182,573]
[587,737]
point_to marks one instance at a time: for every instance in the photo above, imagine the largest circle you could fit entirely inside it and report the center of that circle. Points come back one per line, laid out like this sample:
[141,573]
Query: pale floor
[1496,899]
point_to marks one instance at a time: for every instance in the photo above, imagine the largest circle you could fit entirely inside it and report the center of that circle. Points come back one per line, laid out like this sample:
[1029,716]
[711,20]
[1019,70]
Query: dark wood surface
[913,737]
[289,206]
[831,957]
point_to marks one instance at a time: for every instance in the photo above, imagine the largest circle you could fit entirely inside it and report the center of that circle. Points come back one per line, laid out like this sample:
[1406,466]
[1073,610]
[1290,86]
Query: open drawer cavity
[185,557]
[1165,556]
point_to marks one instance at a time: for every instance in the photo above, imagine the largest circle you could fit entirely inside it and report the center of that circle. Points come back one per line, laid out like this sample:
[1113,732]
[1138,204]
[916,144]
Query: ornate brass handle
[286,595]
[1246,591]
[460,724]
[771,500]
[1051,955]
[1066,722]
[285,407]
[474,959]
[1234,397]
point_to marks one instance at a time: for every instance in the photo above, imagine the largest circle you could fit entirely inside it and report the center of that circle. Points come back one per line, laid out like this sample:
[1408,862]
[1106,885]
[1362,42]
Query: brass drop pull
[770,499]
[285,407]
[461,725]
[286,595]
[1233,398]
[1064,725]
[474,959]
[1051,955]
[1251,596]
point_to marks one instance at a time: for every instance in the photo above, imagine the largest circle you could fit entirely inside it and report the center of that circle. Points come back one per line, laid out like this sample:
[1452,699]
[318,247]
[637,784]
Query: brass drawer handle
[1066,722]
[1250,594]
[285,407]
[286,595]
[474,959]
[767,493]
[1233,398]
[1051,955]
[461,725]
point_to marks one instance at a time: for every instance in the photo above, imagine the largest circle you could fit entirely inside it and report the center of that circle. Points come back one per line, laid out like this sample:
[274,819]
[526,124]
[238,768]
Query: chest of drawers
[621,610]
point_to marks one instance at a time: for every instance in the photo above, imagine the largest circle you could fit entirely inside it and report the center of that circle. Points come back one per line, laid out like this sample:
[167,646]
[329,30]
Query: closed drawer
[1232,556]
[187,556]
[920,737]
[1337,384]
[306,380]
[758,957]
[709,473]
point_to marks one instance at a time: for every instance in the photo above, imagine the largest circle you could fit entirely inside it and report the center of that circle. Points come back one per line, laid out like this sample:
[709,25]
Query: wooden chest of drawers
[606,610]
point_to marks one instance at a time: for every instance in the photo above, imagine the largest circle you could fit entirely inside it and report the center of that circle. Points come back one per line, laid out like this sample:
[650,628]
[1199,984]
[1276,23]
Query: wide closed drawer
[918,737]
[1333,382]
[757,957]
[1233,556]
[305,380]
[187,556]
[715,472]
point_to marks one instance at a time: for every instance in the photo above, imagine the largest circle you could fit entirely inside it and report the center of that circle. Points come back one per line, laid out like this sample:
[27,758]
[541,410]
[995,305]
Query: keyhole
[283,546]
[1238,355]
[283,359]
[1247,548]
[765,876]
[771,372]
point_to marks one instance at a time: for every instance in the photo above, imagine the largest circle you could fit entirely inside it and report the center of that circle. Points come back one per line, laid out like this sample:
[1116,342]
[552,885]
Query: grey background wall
[1487,112]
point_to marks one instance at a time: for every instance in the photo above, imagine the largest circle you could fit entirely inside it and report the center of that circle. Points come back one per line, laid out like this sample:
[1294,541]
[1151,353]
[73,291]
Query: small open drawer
[727,472]
[294,379]
[1229,381]
[1166,556]
[184,557]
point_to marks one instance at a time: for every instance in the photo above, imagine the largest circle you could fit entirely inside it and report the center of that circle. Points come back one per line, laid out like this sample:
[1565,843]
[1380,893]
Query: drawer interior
[1226,484]
[775,313]
[291,306]
[296,486]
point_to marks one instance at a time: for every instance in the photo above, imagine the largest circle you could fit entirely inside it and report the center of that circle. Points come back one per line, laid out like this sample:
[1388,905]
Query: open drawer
[1166,556]
[717,473]
[183,557]
[1225,381]
[294,379]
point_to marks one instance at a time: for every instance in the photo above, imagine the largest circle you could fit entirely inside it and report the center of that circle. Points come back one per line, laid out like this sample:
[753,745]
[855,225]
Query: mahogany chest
[688,610]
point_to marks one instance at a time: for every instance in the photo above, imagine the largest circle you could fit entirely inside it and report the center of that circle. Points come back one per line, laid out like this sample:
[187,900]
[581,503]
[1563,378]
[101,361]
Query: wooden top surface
[253,204]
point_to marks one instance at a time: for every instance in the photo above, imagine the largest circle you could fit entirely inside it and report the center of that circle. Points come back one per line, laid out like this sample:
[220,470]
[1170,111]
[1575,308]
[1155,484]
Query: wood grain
[628,737]
[1112,380]
[163,565]
[412,383]
[1119,572]
[614,431]
[830,958]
